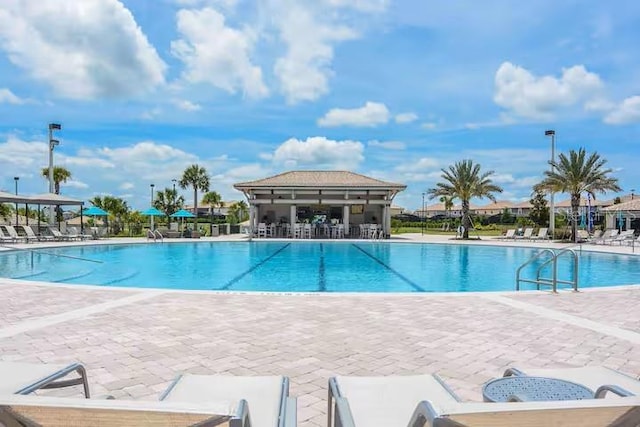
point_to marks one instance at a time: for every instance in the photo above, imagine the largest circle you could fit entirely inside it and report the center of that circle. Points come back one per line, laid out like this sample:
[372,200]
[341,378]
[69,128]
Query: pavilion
[298,196]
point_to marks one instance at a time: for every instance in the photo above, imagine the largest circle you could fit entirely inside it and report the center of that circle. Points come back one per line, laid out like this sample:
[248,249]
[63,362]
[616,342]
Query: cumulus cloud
[525,95]
[76,184]
[126,186]
[370,115]
[83,50]
[186,105]
[309,35]
[421,165]
[626,112]
[362,5]
[217,54]
[319,152]
[6,96]
[406,118]
[387,145]
[429,125]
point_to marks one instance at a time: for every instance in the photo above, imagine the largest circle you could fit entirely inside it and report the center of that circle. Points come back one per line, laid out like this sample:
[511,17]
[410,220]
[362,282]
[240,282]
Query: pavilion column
[345,220]
[628,218]
[292,218]
[386,215]
[252,214]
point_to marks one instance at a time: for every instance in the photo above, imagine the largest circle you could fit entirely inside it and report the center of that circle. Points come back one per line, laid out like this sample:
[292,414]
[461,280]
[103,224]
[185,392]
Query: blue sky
[392,89]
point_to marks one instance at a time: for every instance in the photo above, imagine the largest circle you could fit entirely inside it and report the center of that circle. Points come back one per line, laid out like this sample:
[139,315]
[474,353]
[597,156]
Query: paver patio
[134,342]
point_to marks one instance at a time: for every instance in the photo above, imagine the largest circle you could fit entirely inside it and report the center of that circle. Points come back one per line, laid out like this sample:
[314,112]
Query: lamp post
[423,213]
[152,185]
[52,144]
[552,216]
[16,179]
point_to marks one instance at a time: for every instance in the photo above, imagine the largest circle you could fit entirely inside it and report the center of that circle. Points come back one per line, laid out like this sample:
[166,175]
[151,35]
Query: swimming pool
[307,266]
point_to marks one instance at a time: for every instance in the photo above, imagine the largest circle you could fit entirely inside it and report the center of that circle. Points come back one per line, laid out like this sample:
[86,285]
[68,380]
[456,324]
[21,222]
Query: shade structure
[94,211]
[152,212]
[183,214]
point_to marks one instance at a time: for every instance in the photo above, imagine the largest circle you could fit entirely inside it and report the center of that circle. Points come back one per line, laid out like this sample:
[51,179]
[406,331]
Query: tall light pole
[423,213]
[152,185]
[52,144]
[16,178]
[552,216]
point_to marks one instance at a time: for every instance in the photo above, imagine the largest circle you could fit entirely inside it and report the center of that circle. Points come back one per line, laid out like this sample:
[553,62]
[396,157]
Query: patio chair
[623,412]
[528,232]
[598,378]
[606,236]
[262,230]
[266,398]
[6,237]
[25,378]
[14,234]
[623,237]
[542,234]
[510,234]
[57,235]
[382,401]
[45,411]
[32,236]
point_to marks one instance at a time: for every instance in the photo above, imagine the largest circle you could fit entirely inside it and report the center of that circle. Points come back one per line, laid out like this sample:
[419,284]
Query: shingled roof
[319,179]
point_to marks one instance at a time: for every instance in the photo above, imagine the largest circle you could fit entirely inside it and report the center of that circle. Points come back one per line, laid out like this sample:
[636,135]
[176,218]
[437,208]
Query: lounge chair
[606,236]
[509,235]
[45,411]
[267,398]
[25,378]
[542,234]
[32,236]
[6,237]
[382,401]
[623,237]
[58,235]
[528,232]
[14,234]
[593,377]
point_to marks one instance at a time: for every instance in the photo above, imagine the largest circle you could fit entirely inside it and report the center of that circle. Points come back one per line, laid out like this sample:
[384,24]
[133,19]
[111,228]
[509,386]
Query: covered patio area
[320,204]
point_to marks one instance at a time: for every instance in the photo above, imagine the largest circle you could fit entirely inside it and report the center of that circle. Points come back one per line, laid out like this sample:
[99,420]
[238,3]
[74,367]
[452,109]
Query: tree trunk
[575,206]
[466,220]
[195,206]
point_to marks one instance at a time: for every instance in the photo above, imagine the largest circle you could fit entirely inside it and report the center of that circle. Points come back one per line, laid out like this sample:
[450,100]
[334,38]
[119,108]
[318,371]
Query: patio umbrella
[96,211]
[182,214]
[152,212]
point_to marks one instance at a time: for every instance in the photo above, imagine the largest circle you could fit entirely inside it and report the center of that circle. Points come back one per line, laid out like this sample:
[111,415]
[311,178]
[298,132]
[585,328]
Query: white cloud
[217,54]
[627,112]
[406,118]
[388,145]
[83,50]
[76,184]
[361,5]
[423,164]
[126,186]
[371,114]
[319,152]
[525,95]
[225,4]
[6,96]
[310,35]
[429,125]
[187,105]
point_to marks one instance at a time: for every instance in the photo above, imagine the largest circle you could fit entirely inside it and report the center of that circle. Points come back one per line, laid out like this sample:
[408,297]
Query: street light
[52,144]
[152,185]
[423,213]
[16,179]
[552,216]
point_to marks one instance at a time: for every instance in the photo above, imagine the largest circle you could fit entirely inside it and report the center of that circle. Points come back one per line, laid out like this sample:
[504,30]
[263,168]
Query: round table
[533,389]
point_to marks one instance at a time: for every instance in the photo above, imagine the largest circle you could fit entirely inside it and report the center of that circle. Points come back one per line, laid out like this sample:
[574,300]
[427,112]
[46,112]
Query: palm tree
[60,174]
[168,202]
[447,202]
[117,209]
[463,180]
[238,212]
[212,198]
[196,177]
[577,173]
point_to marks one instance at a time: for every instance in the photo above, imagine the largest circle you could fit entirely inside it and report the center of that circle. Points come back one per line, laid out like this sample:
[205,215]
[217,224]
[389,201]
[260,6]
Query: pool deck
[134,341]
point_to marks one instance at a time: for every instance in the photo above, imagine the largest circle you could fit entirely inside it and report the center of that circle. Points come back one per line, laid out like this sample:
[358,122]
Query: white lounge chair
[542,234]
[623,237]
[14,234]
[32,236]
[509,235]
[6,237]
[267,397]
[25,378]
[528,232]
[606,236]
[382,401]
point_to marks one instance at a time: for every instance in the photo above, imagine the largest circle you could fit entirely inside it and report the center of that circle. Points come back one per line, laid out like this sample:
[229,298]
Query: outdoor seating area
[583,396]
[318,231]
[30,234]
[526,234]
[612,236]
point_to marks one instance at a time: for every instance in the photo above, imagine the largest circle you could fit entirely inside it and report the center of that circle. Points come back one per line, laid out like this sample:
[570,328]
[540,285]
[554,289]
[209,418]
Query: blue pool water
[307,267]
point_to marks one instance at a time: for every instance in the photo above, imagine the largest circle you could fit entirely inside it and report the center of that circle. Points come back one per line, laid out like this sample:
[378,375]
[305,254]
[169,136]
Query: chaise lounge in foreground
[25,378]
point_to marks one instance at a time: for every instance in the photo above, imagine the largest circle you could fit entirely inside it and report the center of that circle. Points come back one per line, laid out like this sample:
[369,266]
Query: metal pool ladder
[553,260]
